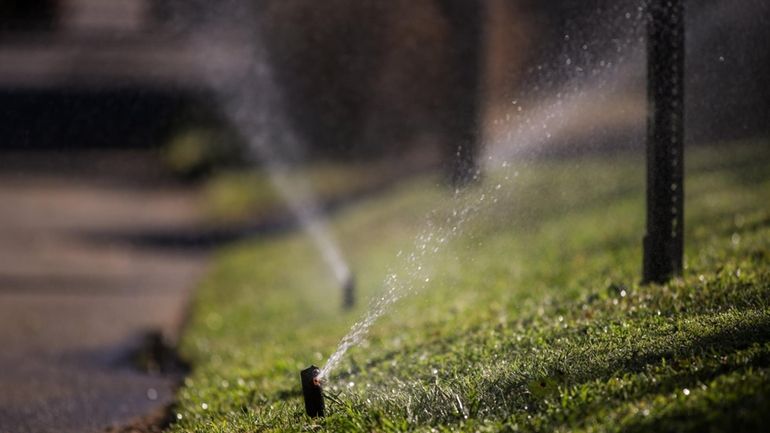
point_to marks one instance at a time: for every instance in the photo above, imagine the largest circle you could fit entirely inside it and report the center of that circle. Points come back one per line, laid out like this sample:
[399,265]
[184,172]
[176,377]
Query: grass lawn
[531,319]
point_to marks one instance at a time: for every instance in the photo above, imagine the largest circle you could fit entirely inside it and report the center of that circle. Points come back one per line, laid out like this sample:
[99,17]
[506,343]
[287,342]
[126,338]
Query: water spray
[413,275]
[312,391]
[242,81]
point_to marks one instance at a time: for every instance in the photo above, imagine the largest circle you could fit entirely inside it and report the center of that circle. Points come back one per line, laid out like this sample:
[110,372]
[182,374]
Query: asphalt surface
[75,305]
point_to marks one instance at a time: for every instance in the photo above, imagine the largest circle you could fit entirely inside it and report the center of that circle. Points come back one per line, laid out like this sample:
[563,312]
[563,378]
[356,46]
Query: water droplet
[152,394]
[735,239]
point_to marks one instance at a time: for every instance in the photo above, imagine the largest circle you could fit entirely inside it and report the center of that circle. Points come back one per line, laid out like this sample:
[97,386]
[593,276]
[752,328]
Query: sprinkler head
[349,292]
[312,391]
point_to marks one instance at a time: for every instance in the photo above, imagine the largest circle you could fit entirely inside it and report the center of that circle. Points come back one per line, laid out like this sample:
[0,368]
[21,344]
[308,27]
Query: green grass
[238,196]
[533,318]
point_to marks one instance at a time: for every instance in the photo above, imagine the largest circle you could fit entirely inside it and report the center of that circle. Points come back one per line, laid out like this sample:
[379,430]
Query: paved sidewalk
[74,303]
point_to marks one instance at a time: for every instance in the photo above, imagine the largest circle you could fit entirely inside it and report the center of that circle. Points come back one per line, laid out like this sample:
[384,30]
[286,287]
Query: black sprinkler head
[349,292]
[312,391]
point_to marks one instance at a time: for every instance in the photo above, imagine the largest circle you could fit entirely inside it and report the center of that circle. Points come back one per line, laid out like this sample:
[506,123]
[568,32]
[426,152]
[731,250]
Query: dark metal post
[312,392]
[466,38]
[663,242]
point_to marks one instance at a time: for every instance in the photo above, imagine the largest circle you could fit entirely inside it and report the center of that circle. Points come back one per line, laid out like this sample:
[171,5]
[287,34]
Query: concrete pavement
[75,306]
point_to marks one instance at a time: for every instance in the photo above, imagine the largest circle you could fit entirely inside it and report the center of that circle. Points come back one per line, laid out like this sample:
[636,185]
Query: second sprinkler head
[349,292]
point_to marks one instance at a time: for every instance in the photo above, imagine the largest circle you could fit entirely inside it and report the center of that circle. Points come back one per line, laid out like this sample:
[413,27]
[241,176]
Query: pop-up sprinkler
[349,292]
[312,391]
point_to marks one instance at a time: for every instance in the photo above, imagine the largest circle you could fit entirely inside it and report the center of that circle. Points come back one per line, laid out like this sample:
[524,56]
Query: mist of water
[411,273]
[231,59]
[592,71]
[532,128]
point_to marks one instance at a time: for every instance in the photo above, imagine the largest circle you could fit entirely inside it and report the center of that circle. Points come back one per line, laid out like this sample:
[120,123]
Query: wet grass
[533,319]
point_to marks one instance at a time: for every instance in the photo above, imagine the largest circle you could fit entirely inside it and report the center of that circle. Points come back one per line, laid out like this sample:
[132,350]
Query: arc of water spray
[414,274]
[541,123]
[556,110]
[243,84]
[434,238]
[248,102]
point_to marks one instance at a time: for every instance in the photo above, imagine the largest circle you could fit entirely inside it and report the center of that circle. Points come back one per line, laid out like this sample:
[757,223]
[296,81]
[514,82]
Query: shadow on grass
[677,356]
[672,359]
[735,412]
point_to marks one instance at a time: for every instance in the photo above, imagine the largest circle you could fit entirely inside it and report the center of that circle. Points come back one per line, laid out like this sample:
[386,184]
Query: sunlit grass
[533,319]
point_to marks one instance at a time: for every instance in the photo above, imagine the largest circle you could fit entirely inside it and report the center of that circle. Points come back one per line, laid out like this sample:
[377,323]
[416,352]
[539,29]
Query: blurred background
[126,156]
[358,79]
[361,78]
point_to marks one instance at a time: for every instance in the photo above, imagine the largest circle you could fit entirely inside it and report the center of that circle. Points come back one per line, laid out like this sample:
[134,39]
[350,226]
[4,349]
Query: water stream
[531,128]
[232,60]
[595,65]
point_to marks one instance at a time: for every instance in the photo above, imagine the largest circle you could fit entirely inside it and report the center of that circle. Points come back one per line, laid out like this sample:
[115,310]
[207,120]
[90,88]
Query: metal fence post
[663,242]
